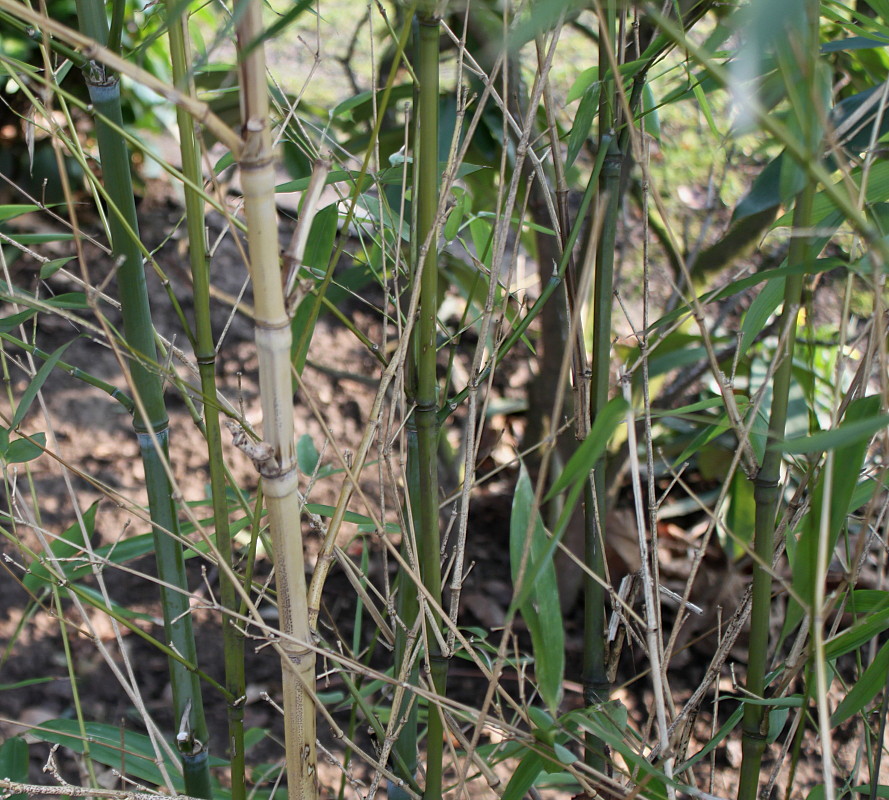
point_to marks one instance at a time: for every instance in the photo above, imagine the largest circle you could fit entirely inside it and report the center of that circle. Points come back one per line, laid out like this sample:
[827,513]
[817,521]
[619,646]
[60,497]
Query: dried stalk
[275,458]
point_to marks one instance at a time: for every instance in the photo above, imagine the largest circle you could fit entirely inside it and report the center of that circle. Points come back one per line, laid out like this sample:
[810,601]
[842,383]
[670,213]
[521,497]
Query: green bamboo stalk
[151,422]
[424,427]
[275,457]
[596,688]
[766,496]
[205,354]
[425,352]
[800,65]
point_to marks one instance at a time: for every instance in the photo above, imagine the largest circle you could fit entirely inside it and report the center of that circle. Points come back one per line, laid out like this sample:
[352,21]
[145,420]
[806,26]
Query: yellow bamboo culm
[276,457]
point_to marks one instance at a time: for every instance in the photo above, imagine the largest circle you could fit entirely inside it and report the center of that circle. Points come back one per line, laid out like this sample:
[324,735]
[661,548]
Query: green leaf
[14,763]
[708,112]
[65,549]
[865,689]
[856,636]
[651,119]
[865,788]
[112,747]
[10,323]
[50,268]
[541,611]
[307,455]
[36,384]
[523,778]
[821,265]
[765,192]
[20,451]
[876,191]
[849,458]
[856,132]
[8,212]
[844,435]
[761,309]
[317,255]
[583,122]
[727,727]
[591,449]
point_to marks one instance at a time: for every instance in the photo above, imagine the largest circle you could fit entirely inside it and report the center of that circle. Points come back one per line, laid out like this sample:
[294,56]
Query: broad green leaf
[740,518]
[865,788]
[73,300]
[67,547]
[856,132]
[10,323]
[317,255]
[765,192]
[306,455]
[844,435]
[821,265]
[761,309]
[456,214]
[853,43]
[36,384]
[50,268]
[708,112]
[8,212]
[583,122]
[727,727]
[523,778]
[876,191]
[704,436]
[650,117]
[848,460]
[20,451]
[591,449]
[283,21]
[14,763]
[113,747]
[856,636]
[865,689]
[541,611]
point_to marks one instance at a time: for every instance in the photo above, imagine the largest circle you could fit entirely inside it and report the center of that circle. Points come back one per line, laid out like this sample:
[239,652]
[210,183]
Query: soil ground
[89,434]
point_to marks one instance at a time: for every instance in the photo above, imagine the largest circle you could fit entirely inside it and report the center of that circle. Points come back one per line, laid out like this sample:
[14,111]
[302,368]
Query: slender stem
[151,422]
[595,679]
[766,495]
[205,354]
[275,458]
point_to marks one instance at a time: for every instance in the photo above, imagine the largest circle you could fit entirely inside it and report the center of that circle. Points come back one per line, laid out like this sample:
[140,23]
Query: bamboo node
[262,454]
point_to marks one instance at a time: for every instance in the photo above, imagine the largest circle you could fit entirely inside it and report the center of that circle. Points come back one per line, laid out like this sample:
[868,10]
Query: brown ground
[93,438]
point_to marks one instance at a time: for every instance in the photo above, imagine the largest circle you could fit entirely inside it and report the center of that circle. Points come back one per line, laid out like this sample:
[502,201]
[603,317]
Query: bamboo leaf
[67,547]
[876,191]
[50,268]
[36,385]
[865,689]
[14,762]
[21,451]
[821,265]
[113,747]
[307,455]
[10,323]
[523,778]
[859,634]
[583,122]
[592,448]
[541,610]
[851,448]
[844,435]
[761,309]
[650,117]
